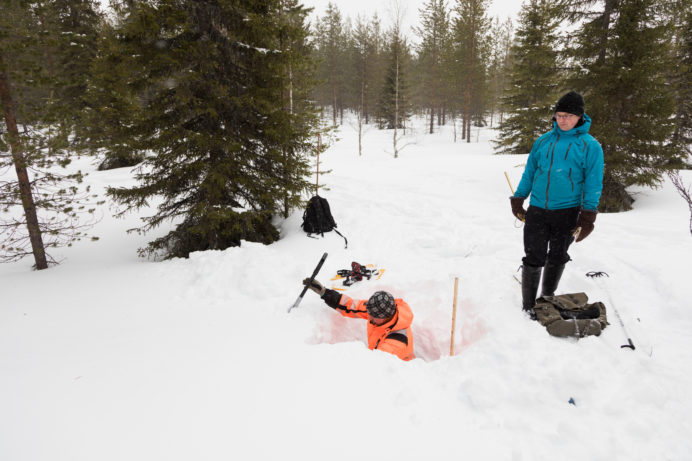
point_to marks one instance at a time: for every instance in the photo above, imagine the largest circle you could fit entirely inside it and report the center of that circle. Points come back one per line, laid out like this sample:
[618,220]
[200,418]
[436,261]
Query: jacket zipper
[386,332]
[570,145]
[552,156]
[550,146]
[570,179]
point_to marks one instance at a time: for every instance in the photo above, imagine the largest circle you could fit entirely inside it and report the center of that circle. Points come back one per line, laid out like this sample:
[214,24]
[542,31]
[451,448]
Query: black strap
[398,337]
[342,236]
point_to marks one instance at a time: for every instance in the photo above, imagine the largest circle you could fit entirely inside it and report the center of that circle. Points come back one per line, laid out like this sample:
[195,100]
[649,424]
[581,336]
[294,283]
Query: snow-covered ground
[110,357]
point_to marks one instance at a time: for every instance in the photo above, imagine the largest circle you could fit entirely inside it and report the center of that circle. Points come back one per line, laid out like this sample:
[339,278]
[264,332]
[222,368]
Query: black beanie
[381,305]
[572,103]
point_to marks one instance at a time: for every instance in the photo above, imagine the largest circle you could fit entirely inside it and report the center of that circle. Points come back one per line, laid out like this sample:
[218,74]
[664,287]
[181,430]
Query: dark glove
[315,286]
[518,207]
[584,224]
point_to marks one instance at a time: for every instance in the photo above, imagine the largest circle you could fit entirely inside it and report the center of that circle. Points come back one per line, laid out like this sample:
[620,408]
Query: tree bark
[432,85]
[605,30]
[27,198]
[396,107]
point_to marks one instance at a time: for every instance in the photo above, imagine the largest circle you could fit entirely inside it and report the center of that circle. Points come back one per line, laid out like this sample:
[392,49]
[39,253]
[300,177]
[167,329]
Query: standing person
[564,176]
[389,319]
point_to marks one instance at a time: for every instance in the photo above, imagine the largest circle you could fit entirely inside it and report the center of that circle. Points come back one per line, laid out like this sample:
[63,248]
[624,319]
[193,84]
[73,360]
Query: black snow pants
[548,235]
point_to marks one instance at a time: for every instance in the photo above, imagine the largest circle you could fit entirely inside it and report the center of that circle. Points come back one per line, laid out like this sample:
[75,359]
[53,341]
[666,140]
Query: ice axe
[305,289]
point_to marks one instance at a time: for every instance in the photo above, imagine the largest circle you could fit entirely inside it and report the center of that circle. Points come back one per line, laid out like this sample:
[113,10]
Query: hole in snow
[431,333]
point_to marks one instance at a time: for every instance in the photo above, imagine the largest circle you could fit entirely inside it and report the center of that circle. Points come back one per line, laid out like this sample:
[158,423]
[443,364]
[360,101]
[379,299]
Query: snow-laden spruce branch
[684,192]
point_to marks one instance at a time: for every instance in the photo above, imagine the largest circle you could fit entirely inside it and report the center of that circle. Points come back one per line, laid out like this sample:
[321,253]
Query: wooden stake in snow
[454,314]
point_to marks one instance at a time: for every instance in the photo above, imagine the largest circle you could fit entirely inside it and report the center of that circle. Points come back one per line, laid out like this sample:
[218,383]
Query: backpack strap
[342,236]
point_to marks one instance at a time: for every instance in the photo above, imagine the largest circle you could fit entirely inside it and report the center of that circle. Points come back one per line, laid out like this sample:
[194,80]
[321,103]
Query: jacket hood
[581,129]
[404,317]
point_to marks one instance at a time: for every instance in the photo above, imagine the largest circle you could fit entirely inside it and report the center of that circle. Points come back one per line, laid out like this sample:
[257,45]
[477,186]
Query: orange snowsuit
[394,336]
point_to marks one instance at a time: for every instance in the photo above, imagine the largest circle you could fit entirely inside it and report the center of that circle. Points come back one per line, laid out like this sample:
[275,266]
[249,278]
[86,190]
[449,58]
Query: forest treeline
[223,104]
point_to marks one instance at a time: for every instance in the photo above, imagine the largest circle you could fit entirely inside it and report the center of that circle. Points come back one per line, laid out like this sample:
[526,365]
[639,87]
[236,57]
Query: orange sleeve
[351,308]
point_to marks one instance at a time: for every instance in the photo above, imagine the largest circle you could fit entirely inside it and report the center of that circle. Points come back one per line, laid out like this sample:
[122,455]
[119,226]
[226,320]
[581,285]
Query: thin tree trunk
[468,129]
[290,88]
[363,79]
[317,169]
[396,107]
[334,103]
[609,6]
[289,70]
[432,88]
[360,117]
[463,125]
[27,198]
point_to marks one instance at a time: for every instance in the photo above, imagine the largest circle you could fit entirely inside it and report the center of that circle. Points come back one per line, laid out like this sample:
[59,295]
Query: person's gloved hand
[518,207]
[584,224]
[315,286]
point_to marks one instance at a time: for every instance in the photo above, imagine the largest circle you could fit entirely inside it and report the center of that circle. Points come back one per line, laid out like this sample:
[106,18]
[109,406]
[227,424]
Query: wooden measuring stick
[454,314]
[509,182]
[512,189]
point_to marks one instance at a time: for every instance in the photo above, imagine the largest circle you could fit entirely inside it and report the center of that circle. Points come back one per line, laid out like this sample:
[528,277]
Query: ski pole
[305,289]
[595,274]
[454,315]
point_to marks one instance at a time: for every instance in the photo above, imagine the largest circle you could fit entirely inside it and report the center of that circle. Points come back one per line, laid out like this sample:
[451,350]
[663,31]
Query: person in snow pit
[389,319]
[564,176]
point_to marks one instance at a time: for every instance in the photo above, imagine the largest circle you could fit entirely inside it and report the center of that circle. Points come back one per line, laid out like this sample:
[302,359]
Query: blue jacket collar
[577,130]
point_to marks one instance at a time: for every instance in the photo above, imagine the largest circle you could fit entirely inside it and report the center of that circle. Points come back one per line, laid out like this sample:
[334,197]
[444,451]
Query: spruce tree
[76,28]
[45,207]
[450,97]
[470,28]
[230,141]
[394,107]
[681,79]
[621,54]
[534,78]
[377,67]
[498,70]
[296,81]
[433,33]
[109,119]
[362,51]
[331,36]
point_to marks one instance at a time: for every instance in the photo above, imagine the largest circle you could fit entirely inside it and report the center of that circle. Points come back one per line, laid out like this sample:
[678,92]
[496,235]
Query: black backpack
[318,218]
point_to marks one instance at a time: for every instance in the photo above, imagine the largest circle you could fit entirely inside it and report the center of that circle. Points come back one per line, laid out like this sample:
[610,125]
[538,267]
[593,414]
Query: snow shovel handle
[305,289]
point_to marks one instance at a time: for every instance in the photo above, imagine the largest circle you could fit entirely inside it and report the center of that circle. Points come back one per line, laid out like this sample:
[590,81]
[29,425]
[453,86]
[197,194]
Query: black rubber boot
[530,278]
[551,279]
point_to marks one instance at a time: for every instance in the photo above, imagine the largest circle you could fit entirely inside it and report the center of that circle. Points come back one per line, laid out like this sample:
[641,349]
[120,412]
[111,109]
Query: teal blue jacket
[564,170]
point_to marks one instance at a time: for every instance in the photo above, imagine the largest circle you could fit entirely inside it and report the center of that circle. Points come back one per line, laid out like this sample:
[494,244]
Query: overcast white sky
[366,8]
